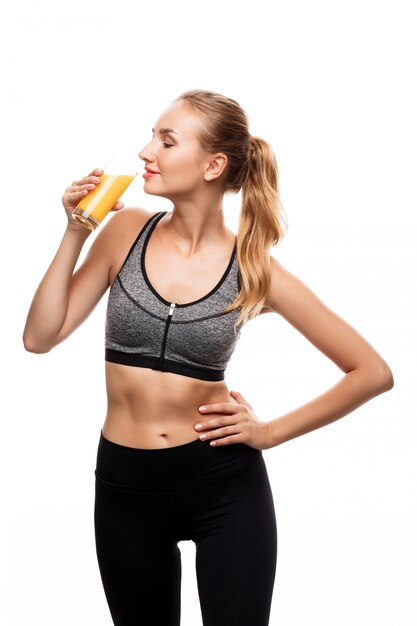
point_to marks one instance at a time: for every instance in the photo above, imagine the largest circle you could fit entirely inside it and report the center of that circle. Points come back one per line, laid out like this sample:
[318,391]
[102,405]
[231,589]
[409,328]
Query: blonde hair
[252,167]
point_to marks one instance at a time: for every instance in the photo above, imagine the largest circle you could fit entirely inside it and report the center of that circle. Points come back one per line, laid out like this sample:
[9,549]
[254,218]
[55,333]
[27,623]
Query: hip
[173,469]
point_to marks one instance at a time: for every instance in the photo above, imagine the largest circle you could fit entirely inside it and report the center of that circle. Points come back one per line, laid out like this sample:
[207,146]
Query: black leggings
[146,500]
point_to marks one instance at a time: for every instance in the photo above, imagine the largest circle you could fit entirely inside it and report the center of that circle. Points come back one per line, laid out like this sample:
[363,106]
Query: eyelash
[166,145]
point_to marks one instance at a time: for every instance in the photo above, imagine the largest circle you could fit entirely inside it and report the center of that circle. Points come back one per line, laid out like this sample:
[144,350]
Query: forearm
[355,388]
[50,302]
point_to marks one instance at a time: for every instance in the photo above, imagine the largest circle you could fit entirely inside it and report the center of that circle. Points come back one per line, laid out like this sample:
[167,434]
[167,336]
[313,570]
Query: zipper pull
[171,308]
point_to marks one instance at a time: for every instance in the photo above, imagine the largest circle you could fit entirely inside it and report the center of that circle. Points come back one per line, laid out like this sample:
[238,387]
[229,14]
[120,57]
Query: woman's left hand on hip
[237,424]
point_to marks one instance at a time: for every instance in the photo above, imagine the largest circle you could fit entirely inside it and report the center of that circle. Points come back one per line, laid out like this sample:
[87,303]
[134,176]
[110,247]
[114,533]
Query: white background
[331,85]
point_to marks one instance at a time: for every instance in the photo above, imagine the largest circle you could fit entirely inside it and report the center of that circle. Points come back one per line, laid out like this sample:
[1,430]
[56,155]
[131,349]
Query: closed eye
[166,145]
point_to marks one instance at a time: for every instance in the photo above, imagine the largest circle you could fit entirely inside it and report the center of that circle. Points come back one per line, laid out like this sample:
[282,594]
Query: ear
[215,167]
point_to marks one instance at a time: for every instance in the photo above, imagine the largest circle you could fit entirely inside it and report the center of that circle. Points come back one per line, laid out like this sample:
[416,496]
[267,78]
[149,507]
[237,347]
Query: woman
[181,287]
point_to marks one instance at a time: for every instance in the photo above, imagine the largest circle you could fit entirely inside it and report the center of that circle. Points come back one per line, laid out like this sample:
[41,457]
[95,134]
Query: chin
[149,191]
[156,193]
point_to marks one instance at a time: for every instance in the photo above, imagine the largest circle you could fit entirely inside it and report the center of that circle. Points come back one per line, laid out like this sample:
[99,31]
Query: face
[176,155]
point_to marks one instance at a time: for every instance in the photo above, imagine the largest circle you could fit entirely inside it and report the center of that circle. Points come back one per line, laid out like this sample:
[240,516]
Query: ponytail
[261,225]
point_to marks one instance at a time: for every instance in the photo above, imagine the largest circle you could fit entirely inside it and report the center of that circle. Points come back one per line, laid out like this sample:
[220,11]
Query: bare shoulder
[280,279]
[282,288]
[122,230]
[287,293]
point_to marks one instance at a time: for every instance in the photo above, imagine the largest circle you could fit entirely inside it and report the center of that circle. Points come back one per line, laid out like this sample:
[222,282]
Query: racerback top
[143,329]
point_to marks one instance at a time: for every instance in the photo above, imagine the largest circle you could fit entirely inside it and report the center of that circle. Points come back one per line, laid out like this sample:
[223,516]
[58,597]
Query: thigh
[236,553]
[140,565]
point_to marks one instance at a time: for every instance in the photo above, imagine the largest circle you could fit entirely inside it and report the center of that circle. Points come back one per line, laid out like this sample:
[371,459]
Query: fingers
[221,436]
[96,172]
[219,432]
[75,192]
[87,180]
[75,195]
[92,178]
[221,407]
[80,188]
[218,422]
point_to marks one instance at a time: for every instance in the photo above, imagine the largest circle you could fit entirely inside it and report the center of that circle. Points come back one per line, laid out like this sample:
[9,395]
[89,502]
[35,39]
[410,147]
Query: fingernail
[202,408]
[199,426]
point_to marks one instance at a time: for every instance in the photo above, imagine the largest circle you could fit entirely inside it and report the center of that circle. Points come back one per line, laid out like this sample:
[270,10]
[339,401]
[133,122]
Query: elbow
[382,378]
[388,380]
[31,346]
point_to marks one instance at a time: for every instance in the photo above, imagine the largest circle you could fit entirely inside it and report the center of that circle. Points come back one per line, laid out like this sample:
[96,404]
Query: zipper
[169,318]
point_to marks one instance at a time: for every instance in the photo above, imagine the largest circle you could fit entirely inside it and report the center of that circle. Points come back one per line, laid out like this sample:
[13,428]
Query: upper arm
[326,330]
[92,279]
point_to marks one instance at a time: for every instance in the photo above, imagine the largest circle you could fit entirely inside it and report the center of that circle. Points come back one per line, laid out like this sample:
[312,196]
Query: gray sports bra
[144,330]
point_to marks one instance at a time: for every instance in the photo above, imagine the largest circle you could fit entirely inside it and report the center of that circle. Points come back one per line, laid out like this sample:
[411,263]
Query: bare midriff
[152,409]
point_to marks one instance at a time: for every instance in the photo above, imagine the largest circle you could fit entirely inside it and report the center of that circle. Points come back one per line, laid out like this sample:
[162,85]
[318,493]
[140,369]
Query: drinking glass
[118,173]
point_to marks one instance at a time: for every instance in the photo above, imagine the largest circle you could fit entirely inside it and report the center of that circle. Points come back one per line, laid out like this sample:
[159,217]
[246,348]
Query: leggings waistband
[172,469]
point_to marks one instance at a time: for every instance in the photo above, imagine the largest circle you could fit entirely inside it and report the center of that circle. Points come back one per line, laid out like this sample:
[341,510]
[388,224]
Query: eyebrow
[162,131]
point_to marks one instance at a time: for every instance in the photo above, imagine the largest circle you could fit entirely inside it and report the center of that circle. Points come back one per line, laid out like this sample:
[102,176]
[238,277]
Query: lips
[148,169]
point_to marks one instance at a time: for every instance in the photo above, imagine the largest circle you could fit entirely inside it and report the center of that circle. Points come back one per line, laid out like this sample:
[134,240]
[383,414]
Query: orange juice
[92,209]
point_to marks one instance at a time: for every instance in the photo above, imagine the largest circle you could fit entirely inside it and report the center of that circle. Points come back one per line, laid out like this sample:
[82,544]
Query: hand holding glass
[93,208]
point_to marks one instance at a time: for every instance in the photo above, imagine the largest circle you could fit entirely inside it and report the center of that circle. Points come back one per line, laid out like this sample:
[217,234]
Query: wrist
[76,229]
[270,441]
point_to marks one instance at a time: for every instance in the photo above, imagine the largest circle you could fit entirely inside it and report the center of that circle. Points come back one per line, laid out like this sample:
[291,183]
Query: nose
[147,154]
